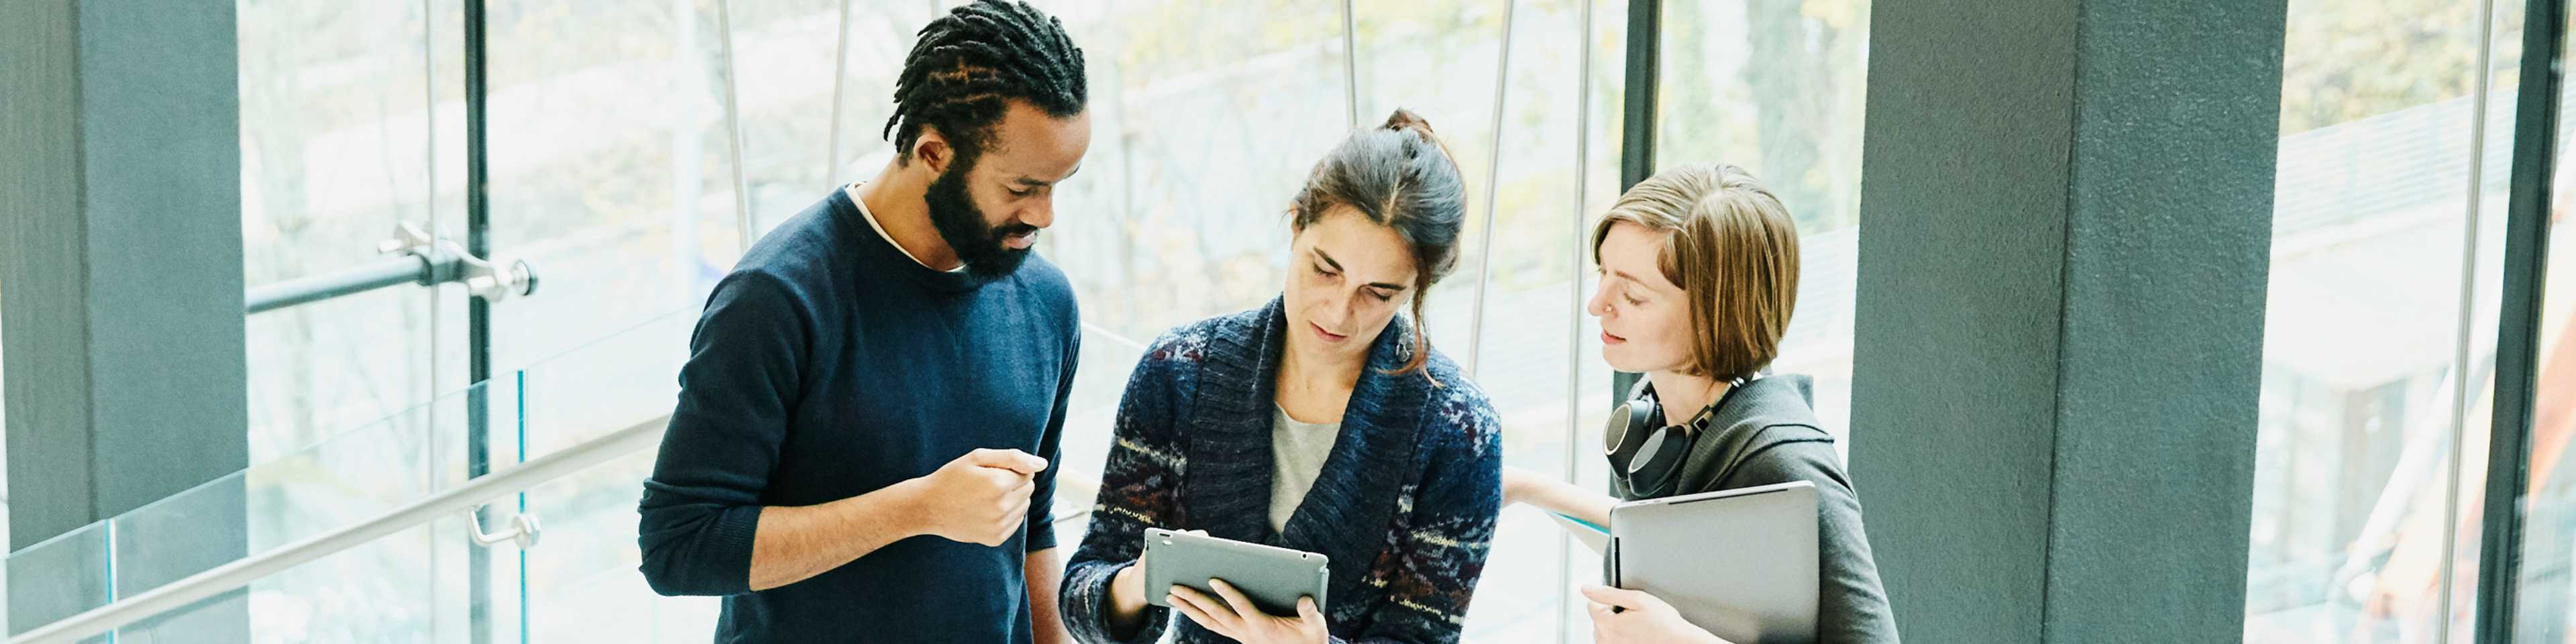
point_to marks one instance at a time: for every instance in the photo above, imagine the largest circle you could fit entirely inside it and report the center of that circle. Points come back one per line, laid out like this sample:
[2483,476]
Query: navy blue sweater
[829,365]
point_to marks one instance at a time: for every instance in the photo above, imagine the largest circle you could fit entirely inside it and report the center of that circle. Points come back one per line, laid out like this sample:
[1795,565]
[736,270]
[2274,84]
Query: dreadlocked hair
[969,63]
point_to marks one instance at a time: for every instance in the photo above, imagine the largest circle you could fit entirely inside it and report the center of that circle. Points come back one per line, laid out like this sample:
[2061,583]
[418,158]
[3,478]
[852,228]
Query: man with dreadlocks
[874,395]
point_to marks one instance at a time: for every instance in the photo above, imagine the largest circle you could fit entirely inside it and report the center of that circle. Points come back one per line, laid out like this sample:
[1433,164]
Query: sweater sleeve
[1438,557]
[1139,489]
[1040,528]
[702,504]
[1851,606]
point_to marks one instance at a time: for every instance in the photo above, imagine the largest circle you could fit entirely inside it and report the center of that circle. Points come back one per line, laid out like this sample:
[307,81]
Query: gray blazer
[1767,433]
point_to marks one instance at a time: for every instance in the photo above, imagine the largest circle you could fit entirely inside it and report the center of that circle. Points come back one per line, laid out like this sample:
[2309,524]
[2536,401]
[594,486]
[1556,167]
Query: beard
[961,225]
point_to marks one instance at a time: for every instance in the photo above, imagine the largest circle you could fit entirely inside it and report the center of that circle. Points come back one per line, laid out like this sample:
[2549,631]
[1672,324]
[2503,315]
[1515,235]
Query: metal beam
[2526,254]
[1637,120]
[478,313]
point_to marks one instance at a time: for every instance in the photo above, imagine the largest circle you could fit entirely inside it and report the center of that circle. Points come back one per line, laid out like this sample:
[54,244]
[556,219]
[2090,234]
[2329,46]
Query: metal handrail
[225,578]
[411,256]
[389,271]
[464,498]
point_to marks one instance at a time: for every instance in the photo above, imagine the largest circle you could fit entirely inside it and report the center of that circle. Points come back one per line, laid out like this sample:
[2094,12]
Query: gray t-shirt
[1297,453]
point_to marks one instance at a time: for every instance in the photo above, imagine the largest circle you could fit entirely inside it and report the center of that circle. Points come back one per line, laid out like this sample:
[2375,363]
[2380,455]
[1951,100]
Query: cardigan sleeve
[1432,566]
[1139,489]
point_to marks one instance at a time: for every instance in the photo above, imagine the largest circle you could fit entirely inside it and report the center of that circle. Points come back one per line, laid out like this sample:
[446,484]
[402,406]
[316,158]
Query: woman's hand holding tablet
[1246,591]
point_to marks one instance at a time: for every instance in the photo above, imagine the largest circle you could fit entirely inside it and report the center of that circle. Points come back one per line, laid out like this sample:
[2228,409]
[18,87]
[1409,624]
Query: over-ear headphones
[1646,455]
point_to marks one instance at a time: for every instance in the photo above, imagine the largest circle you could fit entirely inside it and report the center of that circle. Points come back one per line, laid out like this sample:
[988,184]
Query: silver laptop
[1740,563]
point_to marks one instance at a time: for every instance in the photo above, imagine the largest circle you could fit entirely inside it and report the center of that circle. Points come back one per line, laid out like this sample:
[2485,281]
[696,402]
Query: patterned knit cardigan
[1405,506]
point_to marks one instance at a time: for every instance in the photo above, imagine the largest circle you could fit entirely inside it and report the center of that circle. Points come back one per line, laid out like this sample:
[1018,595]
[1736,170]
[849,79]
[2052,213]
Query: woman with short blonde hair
[1699,275]
[1731,249]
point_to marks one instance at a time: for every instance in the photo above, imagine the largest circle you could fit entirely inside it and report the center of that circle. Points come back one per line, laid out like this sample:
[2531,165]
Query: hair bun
[1404,119]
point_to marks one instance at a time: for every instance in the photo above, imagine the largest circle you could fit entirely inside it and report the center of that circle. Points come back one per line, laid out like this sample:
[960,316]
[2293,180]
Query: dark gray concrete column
[2066,218]
[120,242]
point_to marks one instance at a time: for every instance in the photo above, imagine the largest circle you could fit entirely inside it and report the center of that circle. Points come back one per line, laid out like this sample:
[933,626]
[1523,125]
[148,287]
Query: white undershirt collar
[853,190]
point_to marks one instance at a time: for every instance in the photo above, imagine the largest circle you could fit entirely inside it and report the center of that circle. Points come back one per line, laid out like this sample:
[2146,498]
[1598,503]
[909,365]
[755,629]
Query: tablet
[1592,535]
[1272,577]
[1740,563]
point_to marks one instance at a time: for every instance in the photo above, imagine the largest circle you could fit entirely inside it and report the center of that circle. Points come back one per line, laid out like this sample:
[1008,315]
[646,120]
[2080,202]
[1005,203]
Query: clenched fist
[980,498]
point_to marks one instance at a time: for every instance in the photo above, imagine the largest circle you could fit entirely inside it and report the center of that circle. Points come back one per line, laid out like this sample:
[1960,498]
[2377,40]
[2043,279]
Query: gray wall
[2057,356]
[120,240]
[123,256]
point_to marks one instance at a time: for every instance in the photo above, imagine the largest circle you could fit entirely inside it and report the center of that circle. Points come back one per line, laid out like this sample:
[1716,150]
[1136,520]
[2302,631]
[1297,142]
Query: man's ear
[933,151]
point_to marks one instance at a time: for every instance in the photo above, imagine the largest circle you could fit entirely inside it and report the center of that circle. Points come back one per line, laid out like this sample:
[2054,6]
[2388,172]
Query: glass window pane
[1776,88]
[611,166]
[336,126]
[2356,533]
[349,125]
[1200,135]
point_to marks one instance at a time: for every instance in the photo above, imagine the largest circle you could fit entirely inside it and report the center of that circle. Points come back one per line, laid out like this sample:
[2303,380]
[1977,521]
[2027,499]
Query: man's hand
[980,498]
[1633,617]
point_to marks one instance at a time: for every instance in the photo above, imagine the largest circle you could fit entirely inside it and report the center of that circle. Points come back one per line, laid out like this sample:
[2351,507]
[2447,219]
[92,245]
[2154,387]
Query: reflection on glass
[2371,415]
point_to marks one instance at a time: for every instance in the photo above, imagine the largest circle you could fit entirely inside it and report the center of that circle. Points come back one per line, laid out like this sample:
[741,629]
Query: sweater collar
[1353,501]
[884,257]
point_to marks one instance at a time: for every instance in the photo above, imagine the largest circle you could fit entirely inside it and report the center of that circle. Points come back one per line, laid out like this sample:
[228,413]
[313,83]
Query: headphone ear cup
[1658,460]
[1628,427]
